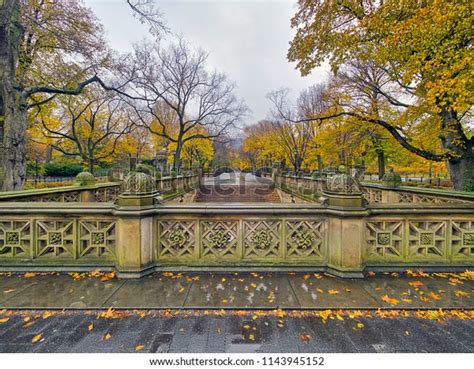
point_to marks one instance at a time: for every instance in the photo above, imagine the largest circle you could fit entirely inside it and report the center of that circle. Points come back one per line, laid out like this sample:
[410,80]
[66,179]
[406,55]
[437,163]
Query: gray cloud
[246,39]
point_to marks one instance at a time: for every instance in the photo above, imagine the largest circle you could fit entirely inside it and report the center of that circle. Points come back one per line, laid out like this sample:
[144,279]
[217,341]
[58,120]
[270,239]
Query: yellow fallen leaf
[28,324]
[333,292]
[306,277]
[280,324]
[107,337]
[36,338]
[319,290]
[415,283]
[139,347]
[225,301]
[390,300]
[339,317]
[246,326]
[10,290]
[460,293]
[254,285]
[409,301]
[47,314]
[90,327]
[254,317]
[360,325]
[181,290]
[4,320]
[26,319]
[434,296]
[29,275]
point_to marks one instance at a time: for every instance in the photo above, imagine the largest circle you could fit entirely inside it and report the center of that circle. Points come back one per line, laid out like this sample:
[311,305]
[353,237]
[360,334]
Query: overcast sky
[246,39]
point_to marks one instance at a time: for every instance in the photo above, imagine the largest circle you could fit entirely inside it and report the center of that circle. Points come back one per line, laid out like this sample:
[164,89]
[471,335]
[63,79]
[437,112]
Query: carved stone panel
[15,238]
[304,238]
[384,239]
[262,238]
[97,238]
[462,238]
[427,239]
[177,238]
[219,238]
[55,238]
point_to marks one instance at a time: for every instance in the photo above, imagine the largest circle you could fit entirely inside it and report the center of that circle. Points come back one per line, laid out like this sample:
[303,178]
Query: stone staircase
[237,193]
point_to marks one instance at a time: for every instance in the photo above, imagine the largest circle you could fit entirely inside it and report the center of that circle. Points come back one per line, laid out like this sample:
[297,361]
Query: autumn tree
[177,98]
[424,48]
[88,126]
[48,48]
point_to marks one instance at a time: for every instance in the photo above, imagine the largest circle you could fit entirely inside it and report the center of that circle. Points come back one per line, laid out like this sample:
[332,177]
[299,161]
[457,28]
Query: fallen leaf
[90,327]
[181,290]
[305,338]
[409,301]
[4,320]
[306,277]
[139,347]
[225,301]
[333,292]
[280,324]
[10,290]
[107,337]
[360,325]
[29,275]
[28,324]
[415,283]
[434,296]
[254,285]
[390,300]
[460,293]
[36,338]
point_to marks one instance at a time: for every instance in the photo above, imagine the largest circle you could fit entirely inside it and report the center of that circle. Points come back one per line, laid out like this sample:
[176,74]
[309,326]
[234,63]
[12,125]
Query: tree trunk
[320,163]
[381,162]
[177,156]
[13,106]
[461,150]
[90,166]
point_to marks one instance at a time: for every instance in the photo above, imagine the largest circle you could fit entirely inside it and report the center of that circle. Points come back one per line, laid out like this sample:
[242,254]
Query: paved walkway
[236,291]
[81,331]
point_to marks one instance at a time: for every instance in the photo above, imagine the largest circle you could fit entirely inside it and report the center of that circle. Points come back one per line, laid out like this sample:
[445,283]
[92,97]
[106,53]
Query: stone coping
[195,209]
[48,191]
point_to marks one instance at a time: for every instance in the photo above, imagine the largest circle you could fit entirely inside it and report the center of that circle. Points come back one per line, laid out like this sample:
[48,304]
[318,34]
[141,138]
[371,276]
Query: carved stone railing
[141,237]
[376,193]
[100,192]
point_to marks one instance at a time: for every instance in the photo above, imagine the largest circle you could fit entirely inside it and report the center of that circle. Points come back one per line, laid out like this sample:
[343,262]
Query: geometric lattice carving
[15,238]
[177,238]
[262,238]
[409,198]
[304,238]
[462,238]
[96,238]
[385,239]
[427,239]
[55,238]
[372,195]
[219,238]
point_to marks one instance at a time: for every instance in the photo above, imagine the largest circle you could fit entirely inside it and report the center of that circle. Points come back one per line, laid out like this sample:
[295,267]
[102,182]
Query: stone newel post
[136,231]
[343,195]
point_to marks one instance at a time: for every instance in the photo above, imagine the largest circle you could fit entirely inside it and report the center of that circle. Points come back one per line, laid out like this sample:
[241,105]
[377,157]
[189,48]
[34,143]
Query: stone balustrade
[376,193]
[343,236]
[99,192]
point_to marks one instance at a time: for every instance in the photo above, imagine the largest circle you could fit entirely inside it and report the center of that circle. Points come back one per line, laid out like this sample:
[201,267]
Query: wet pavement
[232,331]
[237,291]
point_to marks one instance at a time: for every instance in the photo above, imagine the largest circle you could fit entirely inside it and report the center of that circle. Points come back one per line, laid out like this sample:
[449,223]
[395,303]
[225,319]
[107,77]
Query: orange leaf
[416,283]
[90,327]
[305,338]
[107,337]
[460,293]
[333,292]
[4,320]
[139,347]
[390,300]
[434,296]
